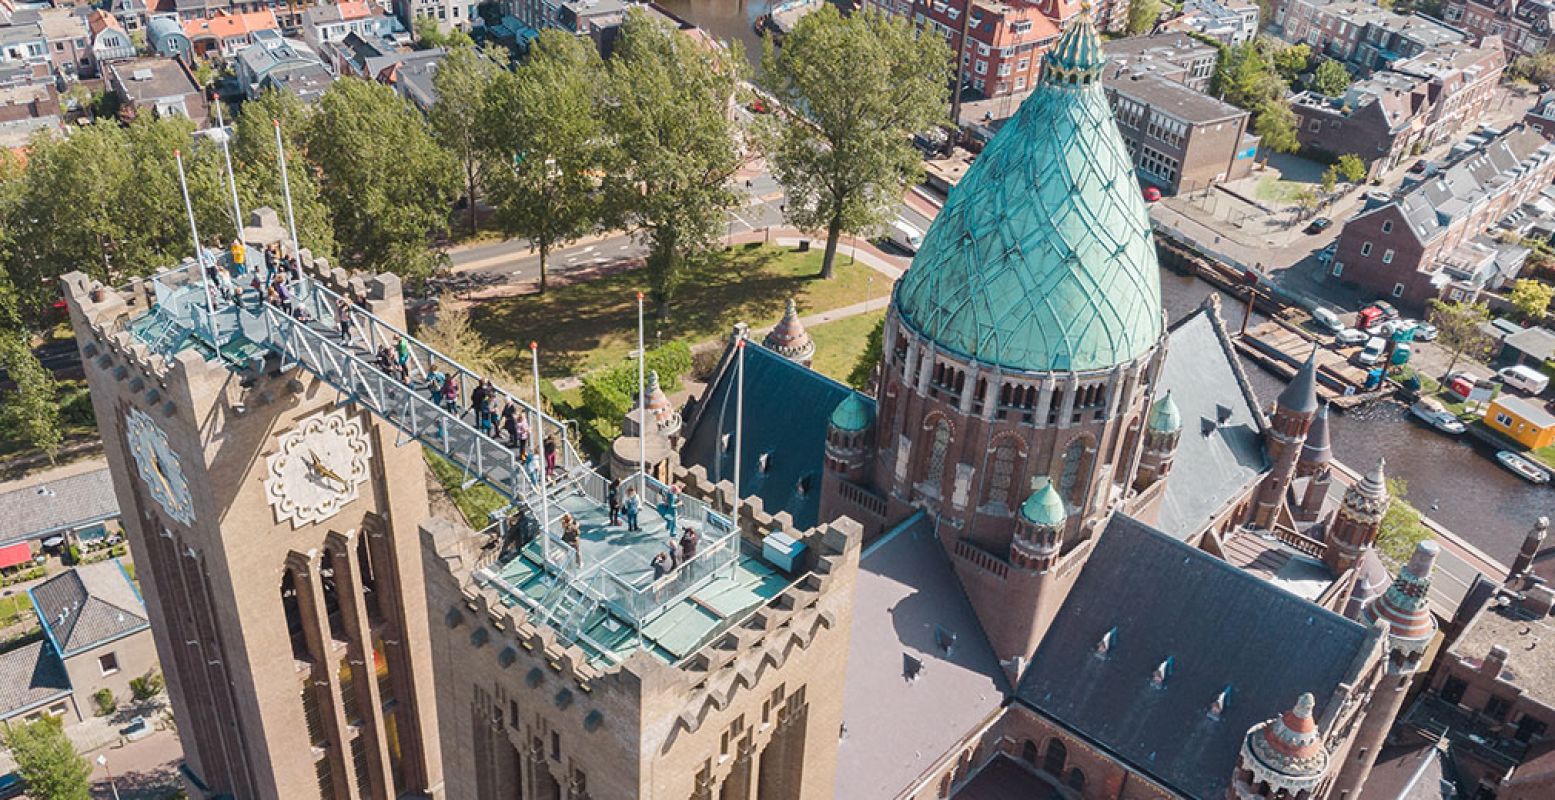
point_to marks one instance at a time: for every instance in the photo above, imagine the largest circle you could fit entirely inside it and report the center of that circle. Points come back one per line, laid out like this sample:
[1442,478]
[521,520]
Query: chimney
[1495,661]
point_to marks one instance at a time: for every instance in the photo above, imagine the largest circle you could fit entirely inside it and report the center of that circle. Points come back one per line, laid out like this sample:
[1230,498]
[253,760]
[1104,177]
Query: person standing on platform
[671,509]
[631,508]
[613,500]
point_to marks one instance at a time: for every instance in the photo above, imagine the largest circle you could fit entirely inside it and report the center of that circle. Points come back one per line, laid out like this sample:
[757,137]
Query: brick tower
[1404,611]
[273,526]
[1357,521]
[1294,411]
[1314,465]
[1285,754]
[1160,446]
[1018,376]
[789,338]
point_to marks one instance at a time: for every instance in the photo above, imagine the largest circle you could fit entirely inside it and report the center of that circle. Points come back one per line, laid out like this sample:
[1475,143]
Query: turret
[1039,531]
[1316,453]
[1531,546]
[1284,754]
[1294,411]
[1162,431]
[1357,521]
[789,339]
[847,436]
[1405,613]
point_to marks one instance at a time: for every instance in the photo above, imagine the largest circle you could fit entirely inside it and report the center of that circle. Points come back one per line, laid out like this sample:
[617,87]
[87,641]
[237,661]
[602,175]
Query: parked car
[1319,225]
[1327,320]
[1383,328]
[1349,337]
[1372,352]
[1524,378]
[1387,309]
[1425,332]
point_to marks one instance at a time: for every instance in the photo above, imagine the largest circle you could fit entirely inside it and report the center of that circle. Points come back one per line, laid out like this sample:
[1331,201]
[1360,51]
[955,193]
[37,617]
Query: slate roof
[1042,258]
[1430,206]
[89,605]
[57,505]
[786,409]
[1536,343]
[30,676]
[1215,460]
[896,729]
[1220,626]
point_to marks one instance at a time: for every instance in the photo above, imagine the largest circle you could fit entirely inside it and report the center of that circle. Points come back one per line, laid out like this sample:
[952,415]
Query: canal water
[1456,481]
[1465,490]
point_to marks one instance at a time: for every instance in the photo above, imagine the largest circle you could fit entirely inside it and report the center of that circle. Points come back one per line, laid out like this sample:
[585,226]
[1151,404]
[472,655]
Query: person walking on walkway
[532,469]
[688,543]
[550,457]
[478,398]
[435,381]
[402,352]
[521,434]
[343,316]
[510,425]
[671,509]
[613,500]
[631,508]
[661,564]
[570,536]
[451,395]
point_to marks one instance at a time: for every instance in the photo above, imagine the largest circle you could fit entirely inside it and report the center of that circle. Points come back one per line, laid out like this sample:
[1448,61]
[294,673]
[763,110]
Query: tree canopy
[1276,127]
[257,164]
[865,83]
[1331,78]
[1142,15]
[47,762]
[461,82]
[668,101]
[386,181]
[1458,329]
[1244,78]
[541,134]
[1532,298]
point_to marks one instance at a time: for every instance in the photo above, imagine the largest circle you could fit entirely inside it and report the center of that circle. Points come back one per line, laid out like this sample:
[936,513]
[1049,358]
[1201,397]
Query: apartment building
[1006,44]
[1231,22]
[1181,139]
[1361,34]
[1175,56]
[1421,242]
[1524,25]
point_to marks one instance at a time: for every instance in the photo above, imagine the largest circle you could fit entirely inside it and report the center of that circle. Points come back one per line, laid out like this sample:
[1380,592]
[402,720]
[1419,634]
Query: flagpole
[286,187]
[536,448]
[739,421]
[642,406]
[199,262]
[232,178]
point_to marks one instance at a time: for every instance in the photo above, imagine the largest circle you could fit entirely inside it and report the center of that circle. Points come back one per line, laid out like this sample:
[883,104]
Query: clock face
[317,468]
[159,466]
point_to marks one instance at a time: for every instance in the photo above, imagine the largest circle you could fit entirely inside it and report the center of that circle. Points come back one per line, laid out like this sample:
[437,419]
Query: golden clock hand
[324,471]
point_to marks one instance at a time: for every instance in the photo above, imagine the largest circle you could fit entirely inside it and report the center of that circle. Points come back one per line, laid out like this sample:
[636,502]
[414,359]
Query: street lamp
[102,761]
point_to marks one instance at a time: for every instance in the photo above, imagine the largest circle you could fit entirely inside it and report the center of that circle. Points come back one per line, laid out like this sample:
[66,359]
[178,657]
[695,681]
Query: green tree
[1292,61]
[1276,127]
[1458,329]
[1531,298]
[669,124]
[1329,179]
[542,135]
[462,81]
[1351,168]
[866,82]
[1331,78]
[1142,15]
[863,372]
[47,762]
[258,167]
[1244,78]
[1539,68]
[385,180]
[429,34]
[1401,529]
[32,409]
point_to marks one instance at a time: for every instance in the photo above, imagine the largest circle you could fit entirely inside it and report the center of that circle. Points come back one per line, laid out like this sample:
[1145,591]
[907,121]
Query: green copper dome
[1164,416]
[1044,507]
[852,414]
[1042,258]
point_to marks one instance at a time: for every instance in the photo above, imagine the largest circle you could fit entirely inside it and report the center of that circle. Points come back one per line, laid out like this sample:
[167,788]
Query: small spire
[1405,605]
[1318,449]
[1300,395]
[1375,484]
[1078,57]
[1164,417]
[789,339]
[1045,507]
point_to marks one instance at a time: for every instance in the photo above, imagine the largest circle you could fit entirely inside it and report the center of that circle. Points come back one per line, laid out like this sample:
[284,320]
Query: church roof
[1043,258]
[787,407]
[1218,626]
[1220,450]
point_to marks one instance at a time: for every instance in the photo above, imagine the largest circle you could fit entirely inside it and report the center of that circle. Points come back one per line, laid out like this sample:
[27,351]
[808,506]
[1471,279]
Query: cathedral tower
[1294,411]
[273,523]
[1357,521]
[1022,348]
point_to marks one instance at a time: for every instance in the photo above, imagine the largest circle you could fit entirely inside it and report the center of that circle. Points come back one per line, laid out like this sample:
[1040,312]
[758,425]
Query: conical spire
[1404,606]
[1289,744]
[1318,449]
[1300,395]
[1078,57]
[852,414]
[1044,507]
[789,338]
[1164,417]
[1375,484]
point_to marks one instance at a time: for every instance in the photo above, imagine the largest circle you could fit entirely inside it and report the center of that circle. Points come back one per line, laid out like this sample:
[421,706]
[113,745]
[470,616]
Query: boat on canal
[1434,414]
[1523,466]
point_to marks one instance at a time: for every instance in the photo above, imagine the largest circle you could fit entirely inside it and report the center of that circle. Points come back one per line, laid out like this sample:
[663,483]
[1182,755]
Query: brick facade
[1007,39]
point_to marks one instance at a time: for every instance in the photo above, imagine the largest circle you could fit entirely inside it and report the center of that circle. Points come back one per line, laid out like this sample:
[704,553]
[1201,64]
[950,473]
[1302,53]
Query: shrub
[103,698]
[147,686]
[72,555]
[608,394]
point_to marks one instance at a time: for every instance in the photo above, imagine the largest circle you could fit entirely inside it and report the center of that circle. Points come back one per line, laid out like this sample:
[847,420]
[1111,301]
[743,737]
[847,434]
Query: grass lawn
[1273,190]
[476,502]
[13,608]
[593,323]
[839,344]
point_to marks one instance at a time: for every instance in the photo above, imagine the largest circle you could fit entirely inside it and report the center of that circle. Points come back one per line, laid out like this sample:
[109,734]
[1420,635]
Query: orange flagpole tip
[277,122]
[739,344]
[639,297]
[534,345]
[178,154]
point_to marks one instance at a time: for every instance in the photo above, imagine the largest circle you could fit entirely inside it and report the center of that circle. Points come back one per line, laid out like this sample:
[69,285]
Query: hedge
[608,394]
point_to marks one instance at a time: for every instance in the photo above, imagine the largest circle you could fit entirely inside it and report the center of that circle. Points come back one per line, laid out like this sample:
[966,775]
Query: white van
[1527,379]
[905,236]
[1327,320]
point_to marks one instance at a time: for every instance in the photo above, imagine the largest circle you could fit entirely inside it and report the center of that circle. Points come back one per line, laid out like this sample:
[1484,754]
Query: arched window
[1053,760]
[293,611]
[935,475]
[1076,780]
[1028,752]
[1003,474]
[1074,454]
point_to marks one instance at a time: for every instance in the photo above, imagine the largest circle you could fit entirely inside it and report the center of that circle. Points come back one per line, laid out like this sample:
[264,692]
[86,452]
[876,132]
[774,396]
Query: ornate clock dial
[317,468]
[158,466]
